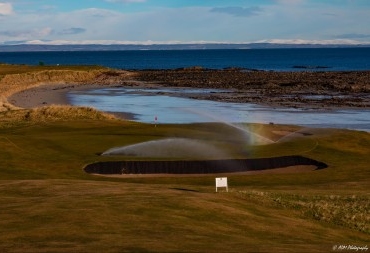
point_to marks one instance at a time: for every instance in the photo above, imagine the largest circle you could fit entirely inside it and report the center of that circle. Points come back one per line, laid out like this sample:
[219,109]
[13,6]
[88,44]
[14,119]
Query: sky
[184,21]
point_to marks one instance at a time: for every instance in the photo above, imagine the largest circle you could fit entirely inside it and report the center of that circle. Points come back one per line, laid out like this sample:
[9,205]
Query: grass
[60,113]
[50,205]
[17,77]
[348,211]
[6,69]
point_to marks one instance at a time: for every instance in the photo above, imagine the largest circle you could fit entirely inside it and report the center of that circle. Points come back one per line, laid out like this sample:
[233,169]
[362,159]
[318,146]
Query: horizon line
[150,42]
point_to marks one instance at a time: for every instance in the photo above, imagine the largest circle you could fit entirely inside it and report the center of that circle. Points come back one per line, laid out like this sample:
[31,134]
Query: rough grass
[347,211]
[50,205]
[51,113]
[12,83]
[6,69]
[93,216]
[59,112]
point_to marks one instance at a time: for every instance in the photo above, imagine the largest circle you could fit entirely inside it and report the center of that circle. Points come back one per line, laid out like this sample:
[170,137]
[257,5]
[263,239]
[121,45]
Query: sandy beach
[55,94]
[47,94]
[41,96]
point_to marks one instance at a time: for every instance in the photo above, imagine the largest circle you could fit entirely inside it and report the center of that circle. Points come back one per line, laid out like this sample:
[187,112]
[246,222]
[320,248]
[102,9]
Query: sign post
[222,182]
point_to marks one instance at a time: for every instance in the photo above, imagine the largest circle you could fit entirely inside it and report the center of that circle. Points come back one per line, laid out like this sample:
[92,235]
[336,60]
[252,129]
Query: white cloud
[95,12]
[290,1]
[314,42]
[6,9]
[125,1]
[150,42]
[43,32]
[238,11]
[191,24]
[100,42]
[352,36]
[25,34]
[72,30]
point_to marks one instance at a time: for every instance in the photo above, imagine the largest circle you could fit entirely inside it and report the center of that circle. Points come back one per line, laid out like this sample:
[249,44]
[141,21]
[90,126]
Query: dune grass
[66,113]
[50,205]
[6,69]
[15,78]
[12,83]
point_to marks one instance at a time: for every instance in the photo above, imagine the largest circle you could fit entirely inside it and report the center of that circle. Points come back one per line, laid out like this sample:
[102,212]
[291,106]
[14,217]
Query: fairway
[49,204]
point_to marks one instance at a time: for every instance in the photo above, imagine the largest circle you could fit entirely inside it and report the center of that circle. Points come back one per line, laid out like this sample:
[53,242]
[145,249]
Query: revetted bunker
[199,167]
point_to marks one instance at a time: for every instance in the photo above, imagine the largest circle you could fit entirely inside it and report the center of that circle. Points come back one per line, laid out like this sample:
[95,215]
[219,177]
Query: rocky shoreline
[286,89]
[307,90]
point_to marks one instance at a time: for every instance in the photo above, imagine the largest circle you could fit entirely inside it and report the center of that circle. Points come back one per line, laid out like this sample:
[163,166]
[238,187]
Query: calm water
[263,59]
[147,105]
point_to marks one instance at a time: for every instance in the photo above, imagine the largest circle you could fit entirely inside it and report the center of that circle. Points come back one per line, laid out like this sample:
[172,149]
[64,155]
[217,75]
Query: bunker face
[199,167]
[175,155]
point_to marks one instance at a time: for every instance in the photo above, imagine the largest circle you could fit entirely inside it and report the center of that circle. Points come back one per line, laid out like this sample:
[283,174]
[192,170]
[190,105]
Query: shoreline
[56,94]
[42,96]
[278,90]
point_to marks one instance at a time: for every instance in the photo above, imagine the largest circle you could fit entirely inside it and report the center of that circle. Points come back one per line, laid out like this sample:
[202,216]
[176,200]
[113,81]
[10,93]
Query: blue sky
[184,21]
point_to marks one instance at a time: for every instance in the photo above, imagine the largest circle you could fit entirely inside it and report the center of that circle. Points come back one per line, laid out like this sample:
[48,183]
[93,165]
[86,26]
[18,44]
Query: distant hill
[98,47]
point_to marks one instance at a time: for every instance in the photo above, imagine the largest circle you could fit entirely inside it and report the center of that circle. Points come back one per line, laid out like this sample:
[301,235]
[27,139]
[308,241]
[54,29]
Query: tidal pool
[167,105]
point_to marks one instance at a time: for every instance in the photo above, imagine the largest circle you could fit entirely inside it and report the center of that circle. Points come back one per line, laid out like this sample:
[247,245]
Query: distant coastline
[210,56]
[123,47]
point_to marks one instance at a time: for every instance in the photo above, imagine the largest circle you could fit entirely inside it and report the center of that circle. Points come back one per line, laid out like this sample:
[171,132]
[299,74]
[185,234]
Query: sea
[293,59]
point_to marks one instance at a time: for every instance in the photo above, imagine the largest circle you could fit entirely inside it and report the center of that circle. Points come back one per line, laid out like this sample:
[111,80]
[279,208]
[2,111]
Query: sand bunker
[199,167]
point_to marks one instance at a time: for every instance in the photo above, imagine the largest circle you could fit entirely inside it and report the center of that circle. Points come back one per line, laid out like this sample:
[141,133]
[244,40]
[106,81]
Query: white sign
[221,182]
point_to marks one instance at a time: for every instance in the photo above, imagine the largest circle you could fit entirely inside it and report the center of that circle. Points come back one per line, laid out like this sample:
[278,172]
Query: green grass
[48,203]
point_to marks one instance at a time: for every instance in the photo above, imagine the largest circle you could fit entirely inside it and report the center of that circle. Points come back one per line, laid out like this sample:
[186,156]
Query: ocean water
[307,59]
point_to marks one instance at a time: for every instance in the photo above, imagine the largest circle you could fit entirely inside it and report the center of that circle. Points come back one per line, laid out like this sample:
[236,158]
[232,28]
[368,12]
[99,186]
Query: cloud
[238,11]
[328,14]
[95,12]
[149,42]
[125,1]
[27,33]
[314,42]
[73,30]
[101,42]
[6,9]
[289,1]
[352,36]
[313,20]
